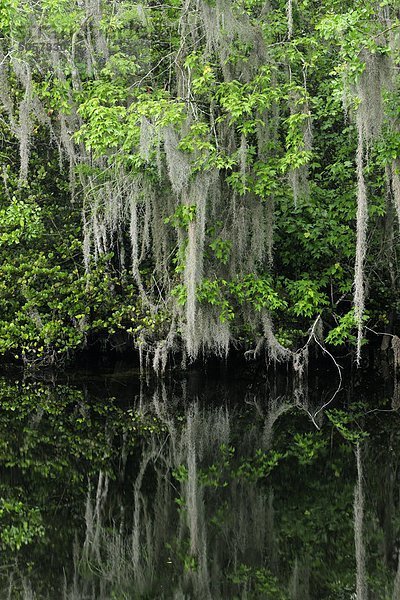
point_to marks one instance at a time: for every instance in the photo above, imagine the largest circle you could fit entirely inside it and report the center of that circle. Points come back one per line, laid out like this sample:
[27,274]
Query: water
[199,487]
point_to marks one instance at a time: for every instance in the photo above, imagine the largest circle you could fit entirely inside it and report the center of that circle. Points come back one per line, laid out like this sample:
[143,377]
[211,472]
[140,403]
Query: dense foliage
[197,174]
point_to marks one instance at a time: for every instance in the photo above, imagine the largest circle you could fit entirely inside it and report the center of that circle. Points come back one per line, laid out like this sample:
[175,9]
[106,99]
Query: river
[201,486]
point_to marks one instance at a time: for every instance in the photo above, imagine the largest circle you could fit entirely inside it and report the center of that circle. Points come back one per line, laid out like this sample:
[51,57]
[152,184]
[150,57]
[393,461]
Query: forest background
[193,176]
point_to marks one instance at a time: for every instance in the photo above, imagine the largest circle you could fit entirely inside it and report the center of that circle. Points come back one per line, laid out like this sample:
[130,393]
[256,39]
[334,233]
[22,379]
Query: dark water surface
[114,488]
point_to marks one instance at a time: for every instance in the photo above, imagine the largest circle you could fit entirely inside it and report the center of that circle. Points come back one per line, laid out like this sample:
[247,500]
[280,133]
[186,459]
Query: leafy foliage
[204,159]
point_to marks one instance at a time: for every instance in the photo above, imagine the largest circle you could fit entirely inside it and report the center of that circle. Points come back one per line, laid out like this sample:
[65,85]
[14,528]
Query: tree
[226,157]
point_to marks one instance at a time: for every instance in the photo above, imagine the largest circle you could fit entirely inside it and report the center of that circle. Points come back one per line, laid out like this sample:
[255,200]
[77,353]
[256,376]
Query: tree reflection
[178,496]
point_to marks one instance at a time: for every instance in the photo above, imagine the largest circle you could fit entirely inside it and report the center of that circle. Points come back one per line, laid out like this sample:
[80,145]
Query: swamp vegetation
[190,177]
[184,182]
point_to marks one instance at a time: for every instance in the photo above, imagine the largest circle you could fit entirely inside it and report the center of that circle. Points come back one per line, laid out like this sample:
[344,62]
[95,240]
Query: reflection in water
[361,578]
[205,522]
[396,589]
[181,497]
